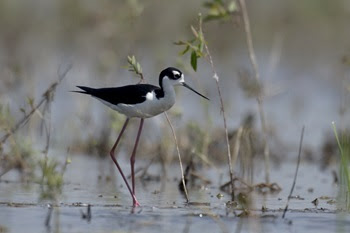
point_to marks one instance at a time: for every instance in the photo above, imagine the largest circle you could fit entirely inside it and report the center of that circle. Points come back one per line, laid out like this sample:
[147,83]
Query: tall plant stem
[296,172]
[178,153]
[216,78]
[259,98]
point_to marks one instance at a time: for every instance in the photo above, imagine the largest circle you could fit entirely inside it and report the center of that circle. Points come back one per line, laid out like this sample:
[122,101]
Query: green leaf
[138,68]
[185,50]
[194,60]
[180,42]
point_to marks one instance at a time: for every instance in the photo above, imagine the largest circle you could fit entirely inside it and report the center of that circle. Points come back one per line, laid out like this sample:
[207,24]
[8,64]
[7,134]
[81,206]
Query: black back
[131,94]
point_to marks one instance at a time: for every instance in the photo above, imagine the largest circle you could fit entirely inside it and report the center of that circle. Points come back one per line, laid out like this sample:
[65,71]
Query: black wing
[131,94]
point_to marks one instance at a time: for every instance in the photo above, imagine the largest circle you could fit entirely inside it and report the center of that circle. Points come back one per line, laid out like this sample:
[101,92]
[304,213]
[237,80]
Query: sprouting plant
[344,150]
[19,154]
[20,157]
[194,46]
[135,67]
[200,48]
[51,180]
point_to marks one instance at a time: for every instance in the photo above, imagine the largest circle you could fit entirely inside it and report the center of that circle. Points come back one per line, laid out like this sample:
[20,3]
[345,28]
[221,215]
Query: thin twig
[257,79]
[216,78]
[43,100]
[178,153]
[22,122]
[296,171]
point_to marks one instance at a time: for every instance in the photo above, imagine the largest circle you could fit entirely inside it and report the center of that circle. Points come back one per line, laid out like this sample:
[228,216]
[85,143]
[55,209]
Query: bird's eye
[177,76]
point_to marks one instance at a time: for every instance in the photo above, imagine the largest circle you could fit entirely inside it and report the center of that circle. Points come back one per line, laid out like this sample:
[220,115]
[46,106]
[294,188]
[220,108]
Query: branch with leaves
[194,46]
[224,10]
[200,49]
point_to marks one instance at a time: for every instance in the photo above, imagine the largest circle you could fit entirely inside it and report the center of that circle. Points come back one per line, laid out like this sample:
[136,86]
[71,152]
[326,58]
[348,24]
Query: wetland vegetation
[269,152]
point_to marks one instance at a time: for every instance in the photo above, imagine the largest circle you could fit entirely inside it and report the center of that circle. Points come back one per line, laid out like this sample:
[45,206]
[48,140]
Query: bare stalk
[178,153]
[216,78]
[296,172]
[47,96]
[259,98]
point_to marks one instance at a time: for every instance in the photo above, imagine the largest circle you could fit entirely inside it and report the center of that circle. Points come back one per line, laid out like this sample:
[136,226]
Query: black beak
[185,85]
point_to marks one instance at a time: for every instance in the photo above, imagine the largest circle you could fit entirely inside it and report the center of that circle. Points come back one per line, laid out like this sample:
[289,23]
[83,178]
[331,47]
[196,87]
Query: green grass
[51,179]
[344,149]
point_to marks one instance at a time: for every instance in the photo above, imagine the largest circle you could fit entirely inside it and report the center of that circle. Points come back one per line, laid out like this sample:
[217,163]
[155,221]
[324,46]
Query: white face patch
[182,79]
[150,95]
[175,72]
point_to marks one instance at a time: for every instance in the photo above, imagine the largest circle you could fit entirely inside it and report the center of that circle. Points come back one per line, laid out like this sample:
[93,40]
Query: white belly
[151,107]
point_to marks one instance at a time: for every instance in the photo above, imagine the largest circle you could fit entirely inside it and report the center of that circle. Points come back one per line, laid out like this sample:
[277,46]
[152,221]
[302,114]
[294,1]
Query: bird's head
[176,78]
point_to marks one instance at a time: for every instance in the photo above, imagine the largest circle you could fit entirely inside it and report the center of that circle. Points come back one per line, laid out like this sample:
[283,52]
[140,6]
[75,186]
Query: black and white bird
[139,101]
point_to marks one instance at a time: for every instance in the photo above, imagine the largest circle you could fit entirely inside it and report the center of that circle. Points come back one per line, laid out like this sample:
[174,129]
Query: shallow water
[163,206]
[305,82]
[147,219]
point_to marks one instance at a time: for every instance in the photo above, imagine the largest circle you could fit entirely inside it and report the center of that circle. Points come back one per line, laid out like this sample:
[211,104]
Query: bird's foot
[135,203]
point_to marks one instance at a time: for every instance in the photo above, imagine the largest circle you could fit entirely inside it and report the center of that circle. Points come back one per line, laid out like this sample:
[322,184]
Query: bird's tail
[85,90]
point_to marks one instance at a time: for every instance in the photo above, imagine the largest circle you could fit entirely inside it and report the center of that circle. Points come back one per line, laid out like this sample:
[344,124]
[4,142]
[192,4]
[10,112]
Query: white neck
[168,88]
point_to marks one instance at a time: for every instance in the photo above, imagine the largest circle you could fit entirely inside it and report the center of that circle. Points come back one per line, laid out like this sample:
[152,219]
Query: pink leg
[135,202]
[132,158]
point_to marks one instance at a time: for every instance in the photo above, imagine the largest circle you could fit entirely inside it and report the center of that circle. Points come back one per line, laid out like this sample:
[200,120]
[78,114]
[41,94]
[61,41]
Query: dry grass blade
[296,172]
[178,153]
